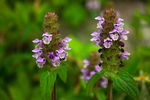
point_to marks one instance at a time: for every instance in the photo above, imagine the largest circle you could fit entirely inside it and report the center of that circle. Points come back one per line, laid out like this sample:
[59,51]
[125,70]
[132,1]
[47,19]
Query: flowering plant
[109,37]
[49,52]
[91,67]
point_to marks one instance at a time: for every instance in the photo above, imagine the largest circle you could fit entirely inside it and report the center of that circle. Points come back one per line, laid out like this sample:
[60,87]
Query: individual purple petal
[40,59]
[101,19]
[67,47]
[92,73]
[86,63]
[125,32]
[95,34]
[40,45]
[47,34]
[98,68]
[35,55]
[36,41]
[36,50]
[66,39]
[84,71]
[126,53]
[120,20]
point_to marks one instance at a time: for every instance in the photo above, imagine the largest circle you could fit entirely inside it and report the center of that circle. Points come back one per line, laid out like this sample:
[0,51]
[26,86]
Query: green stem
[109,92]
[54,92]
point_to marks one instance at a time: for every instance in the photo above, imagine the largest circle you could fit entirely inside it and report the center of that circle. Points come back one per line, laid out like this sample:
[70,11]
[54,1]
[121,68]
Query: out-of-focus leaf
[80,50]
[144,93]
[3,95]
[16,94]
[74,14]
[126,83]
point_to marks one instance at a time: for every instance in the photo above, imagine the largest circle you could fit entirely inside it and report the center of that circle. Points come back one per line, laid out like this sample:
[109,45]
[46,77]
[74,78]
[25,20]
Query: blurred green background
[21,22]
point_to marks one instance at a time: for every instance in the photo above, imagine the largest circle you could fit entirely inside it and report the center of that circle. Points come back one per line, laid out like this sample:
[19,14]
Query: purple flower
[125,55]
[101,21]
[61,53]
[114,36]
[36,50]
[40,45]
[51,55]
[36,55]
[107,42]
[36,41]
[92,73]
[40,62]
[47,38]
[98,68]
[103,82]
[86,63]
[56,61]
[66,39]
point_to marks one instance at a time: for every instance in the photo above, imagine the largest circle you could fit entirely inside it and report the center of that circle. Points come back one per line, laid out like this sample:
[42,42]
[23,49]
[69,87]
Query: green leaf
[93,80]
[62,72]
[47,81]
[124,81]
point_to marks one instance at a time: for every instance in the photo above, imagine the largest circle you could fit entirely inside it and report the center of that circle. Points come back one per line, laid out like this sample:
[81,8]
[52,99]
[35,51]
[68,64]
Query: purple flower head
[107,42]
[61,53]
[36,41]
[86,63]
[56,61]
[98,68]
[51,48]
[51,55]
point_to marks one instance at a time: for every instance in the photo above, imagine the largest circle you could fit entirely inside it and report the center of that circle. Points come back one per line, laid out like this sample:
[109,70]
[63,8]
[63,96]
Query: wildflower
[51,49]
[109,37]
[91,67]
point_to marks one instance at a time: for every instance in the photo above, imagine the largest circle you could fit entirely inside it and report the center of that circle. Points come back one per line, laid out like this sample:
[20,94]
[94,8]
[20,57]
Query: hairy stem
[54,92]
[109,92]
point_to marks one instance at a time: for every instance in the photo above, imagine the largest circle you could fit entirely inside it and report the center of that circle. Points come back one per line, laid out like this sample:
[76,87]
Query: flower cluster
[56,56]
[50,49]
[110,34]
[91,67]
